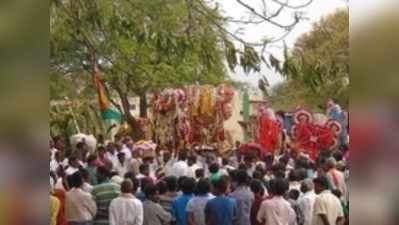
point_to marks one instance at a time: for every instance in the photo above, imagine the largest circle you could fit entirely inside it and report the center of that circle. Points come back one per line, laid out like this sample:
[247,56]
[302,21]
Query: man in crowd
[126,209]
[243,197]
[221,209]
[80,208]
[180,168]
[154,214]
[196,206]
[306,201]
[103,194]
[327,207]
[180,203]
[277,210]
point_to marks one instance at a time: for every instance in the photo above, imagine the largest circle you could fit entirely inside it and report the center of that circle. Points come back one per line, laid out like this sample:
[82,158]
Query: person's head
[271,187]
[75,180]
[258,174]
[330,163]
[337,193]
[199,173]
[214,168]
[188,186]
[85,175]
[166,156]
[192,159]
[151,192]
[338,155]
[171,183]
[182,156]
[294,176]
[144,169]
[242,177]
[307,185]
[127,186]
[144,182]
[248,159]
[162,187]
[73,161]
[91,160]
[135,181]
[203,186]
[320,184]
[180,182]
[121,157]
[257,188]
[293,194]
[101,151]
[221,186]
[103,174]
[280,186]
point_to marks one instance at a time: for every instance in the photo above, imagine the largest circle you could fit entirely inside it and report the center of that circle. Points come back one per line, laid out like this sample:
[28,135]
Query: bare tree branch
[287,5]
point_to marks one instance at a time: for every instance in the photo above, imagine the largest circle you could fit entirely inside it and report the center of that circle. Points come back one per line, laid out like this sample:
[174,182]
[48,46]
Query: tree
[318,67]
[141,46]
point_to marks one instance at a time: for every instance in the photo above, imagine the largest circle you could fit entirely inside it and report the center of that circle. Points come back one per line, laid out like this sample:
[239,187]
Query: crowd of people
[118,185]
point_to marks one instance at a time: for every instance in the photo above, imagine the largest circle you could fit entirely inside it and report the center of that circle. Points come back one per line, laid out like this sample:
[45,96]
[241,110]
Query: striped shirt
[103,194]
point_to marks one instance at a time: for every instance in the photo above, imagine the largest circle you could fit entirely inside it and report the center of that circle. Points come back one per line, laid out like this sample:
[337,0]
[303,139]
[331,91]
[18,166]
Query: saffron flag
[107,113]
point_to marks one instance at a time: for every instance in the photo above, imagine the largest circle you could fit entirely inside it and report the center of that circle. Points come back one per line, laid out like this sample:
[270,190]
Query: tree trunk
[143,105]
[137,133]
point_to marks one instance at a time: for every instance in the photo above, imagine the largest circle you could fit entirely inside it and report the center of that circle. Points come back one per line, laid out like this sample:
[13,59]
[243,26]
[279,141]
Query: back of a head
[203,186]
[171,183]
[257,187]
[127,186]
[182,155]
[280,186]
[214,168]
[242,177]
[144,182]
[143,168]
[103,173]
[162,187]
[331,162]
[294,194]
[307,185]
[150,190]
[221,185]
[188,185]
[294,175]
[85,173]
[199,173]
[136,183]
[75,180]
[322,181]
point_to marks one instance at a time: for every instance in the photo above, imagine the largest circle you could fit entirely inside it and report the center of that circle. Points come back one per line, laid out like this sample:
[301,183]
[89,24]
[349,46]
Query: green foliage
[318,67]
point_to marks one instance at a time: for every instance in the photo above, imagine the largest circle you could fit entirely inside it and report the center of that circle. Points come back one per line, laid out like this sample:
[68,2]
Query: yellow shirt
[54,204]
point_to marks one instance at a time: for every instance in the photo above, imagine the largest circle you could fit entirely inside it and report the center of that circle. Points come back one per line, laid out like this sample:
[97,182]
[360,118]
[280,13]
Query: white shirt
[326,203]
[276,211]
[121,169]
[71,170]
[168,167]
[306,203]
[54,165]
[180,169]
[126,210]
[87,187]
[113,157]
[128,153]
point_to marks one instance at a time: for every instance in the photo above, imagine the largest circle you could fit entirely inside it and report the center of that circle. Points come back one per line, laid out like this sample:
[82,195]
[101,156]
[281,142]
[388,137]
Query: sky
[313,12]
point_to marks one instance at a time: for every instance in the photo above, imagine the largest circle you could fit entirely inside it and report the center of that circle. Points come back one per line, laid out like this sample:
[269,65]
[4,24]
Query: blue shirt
[179,209]
[244,199]
[221,210]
